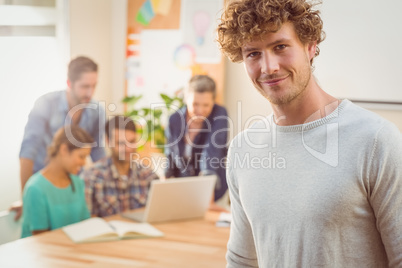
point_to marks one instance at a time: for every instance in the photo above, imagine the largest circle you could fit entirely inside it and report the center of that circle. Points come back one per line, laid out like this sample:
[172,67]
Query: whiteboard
[361,57]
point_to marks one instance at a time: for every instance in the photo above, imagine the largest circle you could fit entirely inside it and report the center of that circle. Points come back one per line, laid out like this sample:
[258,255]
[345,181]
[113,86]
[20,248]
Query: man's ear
[69,84]
[312,47]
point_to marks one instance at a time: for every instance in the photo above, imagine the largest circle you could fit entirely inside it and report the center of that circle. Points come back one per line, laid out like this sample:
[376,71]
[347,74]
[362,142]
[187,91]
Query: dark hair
[245,20]
[119,122]
[73,136]
[80,65]
[201,84]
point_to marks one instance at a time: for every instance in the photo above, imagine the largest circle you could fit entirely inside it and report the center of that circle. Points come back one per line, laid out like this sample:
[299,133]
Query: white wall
[98,30]
[30,66]
[360,57]
[25,74]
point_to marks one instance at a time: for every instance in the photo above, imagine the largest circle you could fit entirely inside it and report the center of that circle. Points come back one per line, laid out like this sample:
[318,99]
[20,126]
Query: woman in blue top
[54,196]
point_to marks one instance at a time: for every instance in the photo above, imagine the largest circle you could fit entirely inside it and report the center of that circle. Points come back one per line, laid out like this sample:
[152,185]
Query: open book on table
[97,229]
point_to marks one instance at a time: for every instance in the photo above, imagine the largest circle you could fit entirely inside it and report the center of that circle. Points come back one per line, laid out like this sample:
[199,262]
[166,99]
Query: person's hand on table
[214,207]
[17,207]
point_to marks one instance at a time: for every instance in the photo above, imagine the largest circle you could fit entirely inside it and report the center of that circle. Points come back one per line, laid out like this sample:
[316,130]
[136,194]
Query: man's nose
[269,63]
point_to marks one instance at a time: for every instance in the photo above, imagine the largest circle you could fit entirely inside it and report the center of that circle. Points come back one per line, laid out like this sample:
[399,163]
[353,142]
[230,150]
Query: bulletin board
[168,41]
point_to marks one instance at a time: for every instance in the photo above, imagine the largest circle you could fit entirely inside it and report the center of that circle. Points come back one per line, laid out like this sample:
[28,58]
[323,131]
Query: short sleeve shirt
[47,207]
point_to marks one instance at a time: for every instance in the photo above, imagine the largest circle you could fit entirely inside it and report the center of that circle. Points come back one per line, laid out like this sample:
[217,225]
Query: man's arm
[170,143]
[214,154]
[385,175]
[241,250]
[26,170]
[34,135]
[98,134]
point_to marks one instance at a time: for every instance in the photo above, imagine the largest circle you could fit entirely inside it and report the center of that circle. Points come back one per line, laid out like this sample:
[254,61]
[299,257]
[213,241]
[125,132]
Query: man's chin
[85,101]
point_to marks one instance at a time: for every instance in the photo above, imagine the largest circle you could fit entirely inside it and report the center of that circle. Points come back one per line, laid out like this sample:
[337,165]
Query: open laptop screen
[176,199]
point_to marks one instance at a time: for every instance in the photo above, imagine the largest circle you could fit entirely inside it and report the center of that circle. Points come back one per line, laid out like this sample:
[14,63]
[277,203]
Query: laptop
[176,199]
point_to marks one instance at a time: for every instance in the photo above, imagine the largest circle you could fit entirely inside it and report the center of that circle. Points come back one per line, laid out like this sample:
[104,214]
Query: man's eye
[280,47]
[253,54]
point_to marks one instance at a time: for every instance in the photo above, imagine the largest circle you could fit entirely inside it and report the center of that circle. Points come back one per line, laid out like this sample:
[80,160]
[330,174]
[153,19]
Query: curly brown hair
[245,20]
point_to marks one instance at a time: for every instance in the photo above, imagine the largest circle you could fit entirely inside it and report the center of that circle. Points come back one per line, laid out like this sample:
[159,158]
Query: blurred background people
[197,135]
[73,106]
[54,196]
[118,183]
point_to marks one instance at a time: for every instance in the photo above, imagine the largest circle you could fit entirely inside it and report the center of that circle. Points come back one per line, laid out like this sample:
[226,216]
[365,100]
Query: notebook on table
[176,199]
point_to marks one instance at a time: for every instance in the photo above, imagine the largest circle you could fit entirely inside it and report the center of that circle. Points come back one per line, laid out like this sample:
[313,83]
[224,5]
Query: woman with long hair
[54,196]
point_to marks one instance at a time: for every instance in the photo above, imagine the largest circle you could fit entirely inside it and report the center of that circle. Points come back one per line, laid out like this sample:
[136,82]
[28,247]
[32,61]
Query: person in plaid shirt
[115,183]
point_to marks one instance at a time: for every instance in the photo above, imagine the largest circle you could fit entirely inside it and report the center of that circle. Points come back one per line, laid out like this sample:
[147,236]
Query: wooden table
[194,243]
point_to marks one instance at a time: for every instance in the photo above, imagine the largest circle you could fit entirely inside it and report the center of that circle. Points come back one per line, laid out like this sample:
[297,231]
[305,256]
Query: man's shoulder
[219,110]
[53,97]
[178,115]
[98,169]
[363,120]
[143,170]
[103,163]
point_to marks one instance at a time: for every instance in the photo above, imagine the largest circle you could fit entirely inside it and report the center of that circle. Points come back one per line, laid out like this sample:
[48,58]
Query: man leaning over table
[116,183]
[73,106]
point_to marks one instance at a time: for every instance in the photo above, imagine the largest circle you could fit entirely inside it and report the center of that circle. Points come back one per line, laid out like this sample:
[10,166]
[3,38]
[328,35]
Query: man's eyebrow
[274,43]
[248,49]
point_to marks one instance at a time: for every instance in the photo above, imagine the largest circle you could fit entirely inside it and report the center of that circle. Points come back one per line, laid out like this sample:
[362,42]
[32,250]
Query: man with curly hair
[319,182]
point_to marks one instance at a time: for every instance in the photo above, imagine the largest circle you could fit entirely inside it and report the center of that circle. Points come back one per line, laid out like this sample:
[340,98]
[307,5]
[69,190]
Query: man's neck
[70,100]
[123,167]
[311,105]
[74,114]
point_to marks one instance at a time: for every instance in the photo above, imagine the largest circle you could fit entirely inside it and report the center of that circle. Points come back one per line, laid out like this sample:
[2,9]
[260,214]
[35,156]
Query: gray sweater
[324,194]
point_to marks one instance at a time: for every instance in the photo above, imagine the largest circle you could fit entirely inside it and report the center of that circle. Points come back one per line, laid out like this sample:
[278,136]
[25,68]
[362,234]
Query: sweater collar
[313,124]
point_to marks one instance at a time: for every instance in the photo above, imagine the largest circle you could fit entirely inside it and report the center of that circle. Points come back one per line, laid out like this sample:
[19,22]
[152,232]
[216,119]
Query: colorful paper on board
[164,7]
[145,14]
[155,5]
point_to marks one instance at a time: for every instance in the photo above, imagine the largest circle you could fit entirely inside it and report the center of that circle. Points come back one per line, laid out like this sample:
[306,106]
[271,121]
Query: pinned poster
[198,23]
[152,7]
[161,47]
[163,7]
[146,13]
